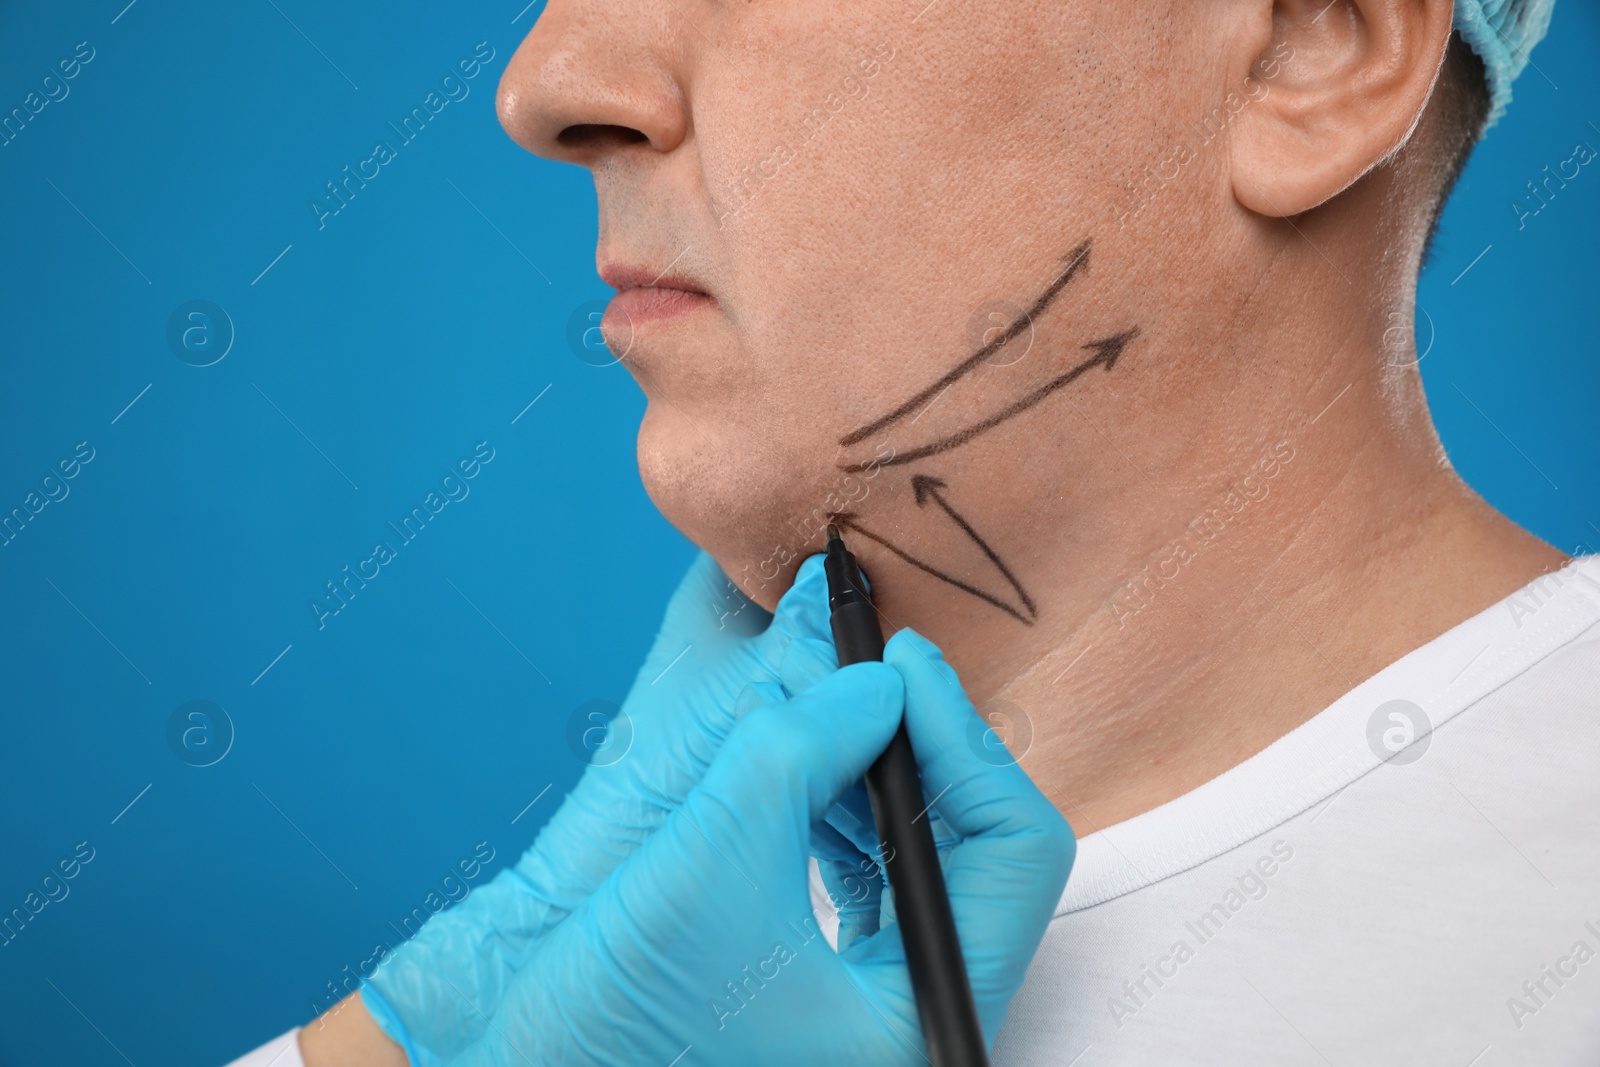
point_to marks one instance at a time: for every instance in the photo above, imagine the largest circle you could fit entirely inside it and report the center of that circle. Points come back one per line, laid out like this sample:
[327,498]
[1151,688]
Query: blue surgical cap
[1502,32]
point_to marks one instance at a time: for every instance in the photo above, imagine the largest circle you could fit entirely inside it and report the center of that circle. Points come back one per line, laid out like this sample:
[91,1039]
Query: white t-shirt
[1412,876]
[1319,904]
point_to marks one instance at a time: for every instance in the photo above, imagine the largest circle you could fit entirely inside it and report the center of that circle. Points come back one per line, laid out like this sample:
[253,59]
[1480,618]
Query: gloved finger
[706,607]
[851,815]
[703,636]
[944,838]
[802,611]
[1014,850]
[674,717]
[828,844]
[795,759]
[686,698]
[693,645]
[806,661]
[939,719]
[857,897]
[853,880]
[697,911]
[757,695]
[671,706]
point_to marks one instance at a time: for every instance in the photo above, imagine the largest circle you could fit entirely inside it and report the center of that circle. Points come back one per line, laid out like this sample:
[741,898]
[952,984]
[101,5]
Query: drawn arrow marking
[926,487]
[1077,260]
[1106,352]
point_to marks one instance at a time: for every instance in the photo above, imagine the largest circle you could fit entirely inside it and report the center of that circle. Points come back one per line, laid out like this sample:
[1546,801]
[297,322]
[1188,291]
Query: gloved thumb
[1014,851]
[803,610]
[804,753]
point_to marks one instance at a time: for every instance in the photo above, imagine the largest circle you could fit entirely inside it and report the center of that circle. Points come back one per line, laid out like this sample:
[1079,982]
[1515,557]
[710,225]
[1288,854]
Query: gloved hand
[845,844]
[701,948]
[434,994]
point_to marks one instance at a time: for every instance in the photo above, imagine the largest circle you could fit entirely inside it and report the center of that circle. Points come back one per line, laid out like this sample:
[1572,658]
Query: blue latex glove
[701,947]
[845,845]
[435,994]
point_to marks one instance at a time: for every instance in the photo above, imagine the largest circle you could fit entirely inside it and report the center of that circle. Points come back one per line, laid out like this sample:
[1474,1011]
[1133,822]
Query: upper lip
[624,276]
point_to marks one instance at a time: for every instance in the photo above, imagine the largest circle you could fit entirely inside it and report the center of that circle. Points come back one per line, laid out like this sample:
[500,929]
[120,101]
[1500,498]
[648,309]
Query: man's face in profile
[911,228]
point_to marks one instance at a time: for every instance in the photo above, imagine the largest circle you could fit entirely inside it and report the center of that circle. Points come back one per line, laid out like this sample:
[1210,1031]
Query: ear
[1336,92]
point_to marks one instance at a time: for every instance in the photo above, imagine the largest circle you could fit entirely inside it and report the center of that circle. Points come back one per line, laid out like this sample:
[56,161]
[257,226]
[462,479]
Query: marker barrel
[949,1016]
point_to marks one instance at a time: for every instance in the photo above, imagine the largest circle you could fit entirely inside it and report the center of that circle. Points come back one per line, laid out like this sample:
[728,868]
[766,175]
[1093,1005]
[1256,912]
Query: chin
[741,496]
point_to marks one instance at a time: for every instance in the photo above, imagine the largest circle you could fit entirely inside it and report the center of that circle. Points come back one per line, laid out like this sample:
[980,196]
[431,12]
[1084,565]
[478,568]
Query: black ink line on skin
[851,523]
[1077,259]
[924,486]
[1106,352]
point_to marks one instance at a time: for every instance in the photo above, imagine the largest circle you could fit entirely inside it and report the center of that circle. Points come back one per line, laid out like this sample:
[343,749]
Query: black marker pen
[927,927]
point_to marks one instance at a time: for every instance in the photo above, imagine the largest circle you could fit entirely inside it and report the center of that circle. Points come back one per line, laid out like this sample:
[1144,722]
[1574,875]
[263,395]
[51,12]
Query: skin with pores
[1260,279]
[1255,179]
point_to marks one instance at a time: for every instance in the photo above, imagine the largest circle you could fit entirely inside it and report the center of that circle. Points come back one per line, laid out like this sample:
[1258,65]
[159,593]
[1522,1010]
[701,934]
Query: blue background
[373,754]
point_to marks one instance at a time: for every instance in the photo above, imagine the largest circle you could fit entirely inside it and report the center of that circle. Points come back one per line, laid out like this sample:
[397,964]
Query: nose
[594,79]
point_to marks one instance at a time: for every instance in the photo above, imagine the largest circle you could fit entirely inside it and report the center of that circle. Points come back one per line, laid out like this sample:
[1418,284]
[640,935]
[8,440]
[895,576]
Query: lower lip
[633,307]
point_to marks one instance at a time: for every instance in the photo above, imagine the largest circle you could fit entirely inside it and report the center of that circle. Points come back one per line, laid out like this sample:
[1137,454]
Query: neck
[1216,554]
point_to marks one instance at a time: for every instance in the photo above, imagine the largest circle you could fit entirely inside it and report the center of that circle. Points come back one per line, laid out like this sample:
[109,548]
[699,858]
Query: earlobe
[1338,90]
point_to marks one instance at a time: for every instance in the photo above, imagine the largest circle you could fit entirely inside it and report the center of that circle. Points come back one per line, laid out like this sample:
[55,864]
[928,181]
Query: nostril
[594,136]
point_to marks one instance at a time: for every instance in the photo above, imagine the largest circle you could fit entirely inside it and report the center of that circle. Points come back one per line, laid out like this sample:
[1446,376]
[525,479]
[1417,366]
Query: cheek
[891,245]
